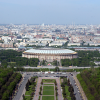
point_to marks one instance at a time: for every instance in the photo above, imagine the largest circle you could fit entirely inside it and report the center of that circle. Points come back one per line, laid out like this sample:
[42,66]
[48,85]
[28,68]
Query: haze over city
[49,11]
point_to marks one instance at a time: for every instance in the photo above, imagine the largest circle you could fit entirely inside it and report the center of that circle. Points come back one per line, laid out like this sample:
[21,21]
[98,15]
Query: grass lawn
[30,90]
[67,93]
[48,80]
[69,98]
[27,97]
[48,84]
[48,90]
[47,97]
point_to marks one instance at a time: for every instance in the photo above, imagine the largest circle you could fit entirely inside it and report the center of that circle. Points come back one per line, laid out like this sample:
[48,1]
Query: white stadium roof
[49,51]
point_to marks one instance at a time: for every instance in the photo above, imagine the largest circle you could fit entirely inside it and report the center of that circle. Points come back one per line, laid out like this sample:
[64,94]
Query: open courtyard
[48,89]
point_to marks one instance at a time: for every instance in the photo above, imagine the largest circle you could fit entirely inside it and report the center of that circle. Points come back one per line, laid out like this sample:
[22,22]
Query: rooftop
[50,51]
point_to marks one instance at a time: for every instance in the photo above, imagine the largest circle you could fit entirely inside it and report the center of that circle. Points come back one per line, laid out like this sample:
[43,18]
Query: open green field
[48,84]
[30,90]
[47,97]
[48,80]
[27,97]
[68,93]
[48,90]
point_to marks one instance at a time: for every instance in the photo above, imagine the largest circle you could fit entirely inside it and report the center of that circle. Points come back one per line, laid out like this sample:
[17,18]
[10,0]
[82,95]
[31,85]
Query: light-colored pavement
[62,68]
[60,97]
[36,96]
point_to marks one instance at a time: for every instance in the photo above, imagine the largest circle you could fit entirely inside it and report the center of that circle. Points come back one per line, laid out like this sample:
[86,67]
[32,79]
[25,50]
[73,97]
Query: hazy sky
[50,11]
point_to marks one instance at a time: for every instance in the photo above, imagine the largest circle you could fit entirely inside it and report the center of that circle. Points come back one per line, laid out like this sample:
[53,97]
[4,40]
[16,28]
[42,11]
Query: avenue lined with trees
[68,91]
[90,82]
[30,89]
[8,82]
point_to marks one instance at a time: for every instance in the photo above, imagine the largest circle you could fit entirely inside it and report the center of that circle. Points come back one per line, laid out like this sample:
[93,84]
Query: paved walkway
[36,96]
[59,89]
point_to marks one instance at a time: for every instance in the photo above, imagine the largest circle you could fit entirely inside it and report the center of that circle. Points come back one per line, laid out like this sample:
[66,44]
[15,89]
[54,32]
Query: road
[21,88]
[42,74]
[76,91]
[61,68]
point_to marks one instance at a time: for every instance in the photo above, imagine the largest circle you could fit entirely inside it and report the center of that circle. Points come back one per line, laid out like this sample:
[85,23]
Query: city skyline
[49,12]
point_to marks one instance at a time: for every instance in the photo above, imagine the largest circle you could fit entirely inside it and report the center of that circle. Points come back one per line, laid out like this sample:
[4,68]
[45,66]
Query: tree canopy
[7,57]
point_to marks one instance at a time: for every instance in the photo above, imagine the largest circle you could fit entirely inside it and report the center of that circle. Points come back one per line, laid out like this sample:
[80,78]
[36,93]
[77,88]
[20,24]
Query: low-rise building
[56,44]
[6,45]
[74,44]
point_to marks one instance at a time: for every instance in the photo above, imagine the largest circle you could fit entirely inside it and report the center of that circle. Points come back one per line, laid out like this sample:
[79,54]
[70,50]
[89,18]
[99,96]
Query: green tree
[56,69]
[55,63]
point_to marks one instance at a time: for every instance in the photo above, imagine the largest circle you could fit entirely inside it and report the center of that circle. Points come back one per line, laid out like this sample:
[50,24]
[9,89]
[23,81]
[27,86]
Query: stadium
[50,54]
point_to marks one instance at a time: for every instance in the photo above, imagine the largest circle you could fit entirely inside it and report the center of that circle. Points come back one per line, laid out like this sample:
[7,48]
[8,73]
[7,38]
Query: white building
[56,44]
[74,44]
[6,38]
[45,40]
[50,54]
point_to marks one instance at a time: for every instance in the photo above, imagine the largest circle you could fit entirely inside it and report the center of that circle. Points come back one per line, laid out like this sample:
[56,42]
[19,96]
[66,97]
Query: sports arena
[50,54]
